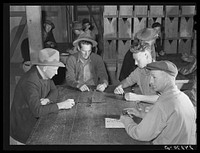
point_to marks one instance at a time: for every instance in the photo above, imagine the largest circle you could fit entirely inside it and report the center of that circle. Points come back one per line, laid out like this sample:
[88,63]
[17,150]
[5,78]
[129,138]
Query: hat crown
[86,35]
[48,57]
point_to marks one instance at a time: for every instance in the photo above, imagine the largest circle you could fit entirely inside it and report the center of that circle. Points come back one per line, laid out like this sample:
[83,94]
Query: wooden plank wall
[121,22]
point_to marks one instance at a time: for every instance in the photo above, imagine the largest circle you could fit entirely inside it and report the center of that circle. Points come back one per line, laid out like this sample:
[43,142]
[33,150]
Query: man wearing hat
[85,67]
[48,37]
[142,54]
[172,120]
[146,35]
[35,95]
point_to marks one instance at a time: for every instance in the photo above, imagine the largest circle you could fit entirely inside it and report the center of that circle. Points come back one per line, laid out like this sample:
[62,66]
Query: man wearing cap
[146,35]
[142,53]
[35,95]
[85,67]
[48,37]
[172,120]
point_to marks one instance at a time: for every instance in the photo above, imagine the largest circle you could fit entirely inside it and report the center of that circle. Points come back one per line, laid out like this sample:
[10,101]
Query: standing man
[85,67]
[172,120]
[36,95]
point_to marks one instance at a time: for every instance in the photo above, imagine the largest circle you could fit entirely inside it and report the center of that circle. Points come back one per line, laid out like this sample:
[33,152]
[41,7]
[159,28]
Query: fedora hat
[49,57]
[86,37]
[146,34]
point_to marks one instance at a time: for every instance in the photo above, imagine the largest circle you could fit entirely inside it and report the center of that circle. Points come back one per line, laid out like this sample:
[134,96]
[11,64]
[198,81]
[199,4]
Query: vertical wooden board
[186,27]
[141,10]
[153,20]
[125,27]
[188,10]
[139,23]
[156,11]
[109,49]
[110,28]
[184,46]
[170,46]
[125,10]
[171,27]
[123,47]
[34,31]
[110,10]
[172,10]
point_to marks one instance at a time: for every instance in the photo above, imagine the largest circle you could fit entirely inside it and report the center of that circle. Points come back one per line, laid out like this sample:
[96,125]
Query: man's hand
[44,101]
[67,104]
[132,111]
[84,88]
[132,97]
[126,119]
[119,90]
[101,87]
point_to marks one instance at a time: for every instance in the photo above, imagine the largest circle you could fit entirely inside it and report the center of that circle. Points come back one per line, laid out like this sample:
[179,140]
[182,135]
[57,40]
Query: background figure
[48,37]
[77,30]
[89,28]
[158,44]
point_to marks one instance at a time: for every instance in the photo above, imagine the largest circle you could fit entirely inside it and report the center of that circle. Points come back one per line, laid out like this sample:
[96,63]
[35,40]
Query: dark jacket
[128,66]
[98,70]
[26,107]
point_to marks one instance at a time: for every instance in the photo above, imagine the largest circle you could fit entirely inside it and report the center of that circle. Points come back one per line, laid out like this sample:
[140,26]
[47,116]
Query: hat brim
[60,64]
[75,43]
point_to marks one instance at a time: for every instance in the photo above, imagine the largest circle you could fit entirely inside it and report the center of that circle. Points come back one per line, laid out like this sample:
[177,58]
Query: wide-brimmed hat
[164,65]
[76,25]
[147,34]
[86,37]
[49,57]
[49,23]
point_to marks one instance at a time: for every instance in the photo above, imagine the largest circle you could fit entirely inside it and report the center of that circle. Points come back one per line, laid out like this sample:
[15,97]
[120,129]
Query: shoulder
[95,56]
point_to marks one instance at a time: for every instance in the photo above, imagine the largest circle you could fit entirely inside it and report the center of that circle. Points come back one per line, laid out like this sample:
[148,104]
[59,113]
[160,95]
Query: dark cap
[166,66]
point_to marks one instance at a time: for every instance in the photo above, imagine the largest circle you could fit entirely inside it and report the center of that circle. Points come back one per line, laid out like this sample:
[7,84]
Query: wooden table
[85,123]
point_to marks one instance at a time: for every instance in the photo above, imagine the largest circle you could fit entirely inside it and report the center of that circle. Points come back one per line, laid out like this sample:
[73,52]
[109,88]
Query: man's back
[179,118]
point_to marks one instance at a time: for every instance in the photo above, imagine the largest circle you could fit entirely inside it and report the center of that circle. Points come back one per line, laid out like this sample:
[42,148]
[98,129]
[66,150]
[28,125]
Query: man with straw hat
[35,95]
[85,67]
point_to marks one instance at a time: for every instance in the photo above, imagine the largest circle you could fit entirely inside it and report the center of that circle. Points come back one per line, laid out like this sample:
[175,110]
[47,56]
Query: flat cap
[166,66]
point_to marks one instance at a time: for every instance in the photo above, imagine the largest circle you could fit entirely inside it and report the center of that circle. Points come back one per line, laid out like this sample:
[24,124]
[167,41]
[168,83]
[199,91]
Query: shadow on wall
[16,37]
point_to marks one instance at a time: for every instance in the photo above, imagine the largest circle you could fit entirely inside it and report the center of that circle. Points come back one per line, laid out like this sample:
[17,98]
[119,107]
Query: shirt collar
[79,59]
[41,73]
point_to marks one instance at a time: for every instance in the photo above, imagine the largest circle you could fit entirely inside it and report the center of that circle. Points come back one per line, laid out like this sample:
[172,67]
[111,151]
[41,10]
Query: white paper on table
[113,123]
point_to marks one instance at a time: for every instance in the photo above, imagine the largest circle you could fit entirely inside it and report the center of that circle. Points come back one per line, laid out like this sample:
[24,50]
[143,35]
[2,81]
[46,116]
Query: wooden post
[33,15]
